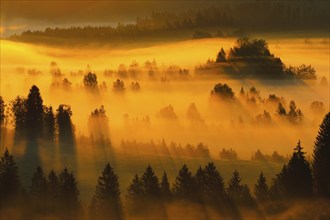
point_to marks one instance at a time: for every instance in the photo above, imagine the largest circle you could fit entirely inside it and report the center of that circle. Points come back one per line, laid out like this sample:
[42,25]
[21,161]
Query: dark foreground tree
[184,186]
[10,184]
[150,183]
[261,189]
[106,202]
[295,179]
[69,195]
[239,193]
[39,191]
[165,189]
[321,159]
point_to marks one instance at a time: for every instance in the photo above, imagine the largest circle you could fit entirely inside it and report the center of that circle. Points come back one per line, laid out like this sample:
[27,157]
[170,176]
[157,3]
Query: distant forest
[228,20]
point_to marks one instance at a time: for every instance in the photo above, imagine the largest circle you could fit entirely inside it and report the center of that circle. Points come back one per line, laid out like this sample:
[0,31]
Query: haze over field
[187,88]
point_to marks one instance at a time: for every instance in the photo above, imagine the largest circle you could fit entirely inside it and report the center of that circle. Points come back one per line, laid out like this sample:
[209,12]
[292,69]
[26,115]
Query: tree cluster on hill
[162,148]
[253,59]
[267,16]
[229,154]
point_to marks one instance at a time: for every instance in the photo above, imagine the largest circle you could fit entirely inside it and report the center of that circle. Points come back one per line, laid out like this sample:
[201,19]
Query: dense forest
[57,195]
[226,20]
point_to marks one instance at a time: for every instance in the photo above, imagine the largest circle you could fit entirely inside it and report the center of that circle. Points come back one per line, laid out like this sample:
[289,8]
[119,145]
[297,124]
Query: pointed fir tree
[261,189]
[135,196]
[321,159]
[221,57]
[34,112]
[39,184]
[281,110]
[234,189]
[184,186]
[150,183]
[214,187]
[200,181]
[165,187]
[106,200]
[295,179]
[10,184]
[68,193]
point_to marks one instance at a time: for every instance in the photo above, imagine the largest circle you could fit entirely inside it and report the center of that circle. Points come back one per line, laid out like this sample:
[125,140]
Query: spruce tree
[10,184]
[295,179]
[214,187]
[261,189]
[184,186]
[150,183]
[34,112]
[235,187]
[321,159]
[165,187]
[39,184]
[106,200]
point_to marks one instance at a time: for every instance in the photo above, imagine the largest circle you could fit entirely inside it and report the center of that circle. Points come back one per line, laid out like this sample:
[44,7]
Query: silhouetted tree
[321,159]
[18,108]
[118,86]
[2,111]
[239,193]
[150,183]
[135,195]
[261,189]
[165,190]
[106,200]
[295,115]
[34,112]
[221,57]
[214,186]
[200,181]
[68,194]
[295,179]
[223,91]
[90,81]
[49,123]
[53,187]
[281,110]
[10,184]
[39,191]
[64,124]
[184,186]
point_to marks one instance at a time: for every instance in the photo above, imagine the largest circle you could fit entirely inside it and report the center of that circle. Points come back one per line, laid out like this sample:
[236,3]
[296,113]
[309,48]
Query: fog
[140,115]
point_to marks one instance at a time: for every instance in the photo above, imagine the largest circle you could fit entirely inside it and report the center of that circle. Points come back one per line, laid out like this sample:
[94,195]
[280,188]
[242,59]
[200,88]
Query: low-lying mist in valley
[134,107]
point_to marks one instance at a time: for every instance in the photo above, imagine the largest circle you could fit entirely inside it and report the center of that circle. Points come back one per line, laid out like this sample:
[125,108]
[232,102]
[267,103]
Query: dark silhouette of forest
[57,195]
[267,16]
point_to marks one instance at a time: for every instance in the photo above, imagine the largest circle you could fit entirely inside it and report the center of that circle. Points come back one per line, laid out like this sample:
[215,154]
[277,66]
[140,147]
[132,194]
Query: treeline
[251,58]
[267,16]
[147,195]
[162,148]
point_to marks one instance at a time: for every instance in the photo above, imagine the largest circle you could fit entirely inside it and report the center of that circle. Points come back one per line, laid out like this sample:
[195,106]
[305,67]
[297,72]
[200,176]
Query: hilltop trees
[321,156]
[106,200]
[64,124]
[221,57]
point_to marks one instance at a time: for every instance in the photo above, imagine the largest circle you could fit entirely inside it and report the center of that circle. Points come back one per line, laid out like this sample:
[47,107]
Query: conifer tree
[165,187]
[10,184]
[184,186]
[295,179]
[150,182]
[214,187]
[261,189]
[34,112]
[321,159]
[106,200]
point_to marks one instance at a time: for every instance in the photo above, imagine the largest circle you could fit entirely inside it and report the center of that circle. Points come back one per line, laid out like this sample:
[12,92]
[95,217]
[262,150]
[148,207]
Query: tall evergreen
[184,186]
[49,123]
[321,159]
[214,187]
[135,189]
[64,124]
[261,188]
[34,112]
[165,189]
[150,182]
[235,187]
[39,184]
[10,184]
[295,179]
[68,194]
[2,111]
[106,200]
